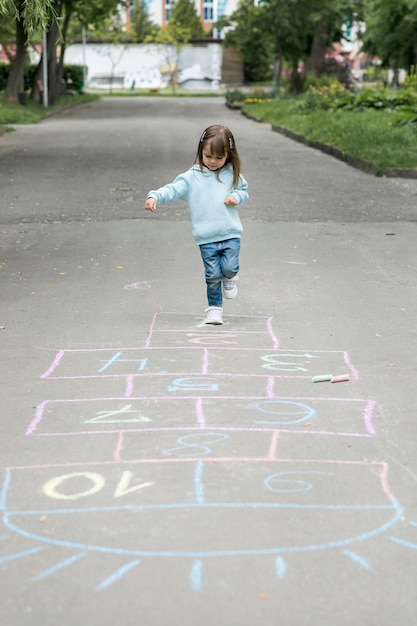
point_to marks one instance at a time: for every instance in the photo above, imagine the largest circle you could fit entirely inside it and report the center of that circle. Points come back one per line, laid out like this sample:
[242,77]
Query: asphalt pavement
[160,472]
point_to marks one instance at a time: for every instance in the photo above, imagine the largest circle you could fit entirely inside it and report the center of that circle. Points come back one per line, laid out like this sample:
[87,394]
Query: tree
[328,19]
[277,32]
[28,17]
[54,16]
[280,29]
[184,21]
[35,14]
[245,29]
[141,25]
[391,32]
[183,26]
[93,12]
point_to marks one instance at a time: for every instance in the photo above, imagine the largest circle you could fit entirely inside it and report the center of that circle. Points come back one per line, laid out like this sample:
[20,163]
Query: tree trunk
[15,81]
[54,83]
[277,73]
[415,47]
[318,50]
[64,30]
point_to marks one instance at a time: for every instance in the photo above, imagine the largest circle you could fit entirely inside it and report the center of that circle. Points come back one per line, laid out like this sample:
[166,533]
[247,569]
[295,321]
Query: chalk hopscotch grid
[202,461]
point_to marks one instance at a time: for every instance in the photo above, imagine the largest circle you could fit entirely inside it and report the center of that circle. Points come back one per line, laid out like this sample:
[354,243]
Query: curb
[360,164]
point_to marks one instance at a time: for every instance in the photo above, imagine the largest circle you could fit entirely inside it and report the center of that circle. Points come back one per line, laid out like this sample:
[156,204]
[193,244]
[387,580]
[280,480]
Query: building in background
[209,11]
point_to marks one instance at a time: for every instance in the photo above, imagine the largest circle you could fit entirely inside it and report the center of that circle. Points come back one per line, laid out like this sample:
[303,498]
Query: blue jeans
[221,260]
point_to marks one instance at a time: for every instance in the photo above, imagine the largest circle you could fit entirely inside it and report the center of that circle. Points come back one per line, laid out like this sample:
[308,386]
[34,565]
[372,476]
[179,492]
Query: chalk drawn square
[97,484]
[287,507]
[213,336]
[315,416]
[189,443]
[111,415]
[105,363]
[200,386]
[166,326]
[279,363]
[300,445]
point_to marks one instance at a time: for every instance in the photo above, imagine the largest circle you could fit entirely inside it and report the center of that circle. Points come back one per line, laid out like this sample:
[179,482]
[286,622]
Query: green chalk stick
[324,378]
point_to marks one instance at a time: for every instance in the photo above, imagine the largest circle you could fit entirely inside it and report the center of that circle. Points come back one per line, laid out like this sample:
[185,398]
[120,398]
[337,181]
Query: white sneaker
[230,287]
[214,315]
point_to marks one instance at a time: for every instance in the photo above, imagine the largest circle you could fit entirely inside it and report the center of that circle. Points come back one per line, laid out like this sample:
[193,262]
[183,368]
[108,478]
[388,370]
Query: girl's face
[212,161]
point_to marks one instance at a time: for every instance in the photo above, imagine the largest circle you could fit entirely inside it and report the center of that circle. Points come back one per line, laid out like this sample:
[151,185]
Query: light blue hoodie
[211,219]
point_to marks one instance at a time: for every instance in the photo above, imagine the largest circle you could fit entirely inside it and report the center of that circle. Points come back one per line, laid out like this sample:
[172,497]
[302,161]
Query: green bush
[322,97]
[72,75]
[377,99]
[4,74]
[257,94]
[407,115]
[234,96]
[411,80]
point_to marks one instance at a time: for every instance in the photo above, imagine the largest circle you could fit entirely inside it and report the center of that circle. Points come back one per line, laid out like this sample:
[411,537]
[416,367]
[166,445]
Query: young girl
[213,187]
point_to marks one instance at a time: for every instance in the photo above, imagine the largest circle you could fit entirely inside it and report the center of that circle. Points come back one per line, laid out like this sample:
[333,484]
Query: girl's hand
[230,201]
[150,204]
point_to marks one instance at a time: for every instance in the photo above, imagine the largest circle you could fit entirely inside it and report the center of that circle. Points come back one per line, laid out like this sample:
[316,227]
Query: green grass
[372,135]
[32,112]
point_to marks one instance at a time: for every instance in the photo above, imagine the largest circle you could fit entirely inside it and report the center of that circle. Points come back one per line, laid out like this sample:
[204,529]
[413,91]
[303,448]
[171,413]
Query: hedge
[72,75]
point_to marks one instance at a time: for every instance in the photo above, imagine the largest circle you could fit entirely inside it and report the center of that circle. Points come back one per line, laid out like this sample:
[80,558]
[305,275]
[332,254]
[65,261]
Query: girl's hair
[222,143]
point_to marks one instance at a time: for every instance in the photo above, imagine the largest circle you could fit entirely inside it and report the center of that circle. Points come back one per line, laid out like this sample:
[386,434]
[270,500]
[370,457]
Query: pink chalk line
[383,474]
[129,385]
[151,329]
[198,316]
[119,447]
[200,429]
[274,444]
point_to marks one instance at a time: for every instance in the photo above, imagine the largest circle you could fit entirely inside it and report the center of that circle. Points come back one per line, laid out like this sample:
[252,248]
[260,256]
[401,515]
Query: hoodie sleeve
[240,192]
[176,190]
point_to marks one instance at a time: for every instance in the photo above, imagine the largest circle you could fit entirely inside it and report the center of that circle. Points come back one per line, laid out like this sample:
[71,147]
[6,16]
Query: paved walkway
[156,471]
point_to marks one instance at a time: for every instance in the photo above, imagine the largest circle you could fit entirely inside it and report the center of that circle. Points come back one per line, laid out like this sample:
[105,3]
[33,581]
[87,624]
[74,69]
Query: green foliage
[333,96]
[235,96]
[72,76]
[378,99]
[325,96]
[251,39]
[275,32]
[36,14]
[318,82]
[184,22]
[411,80]
[257,94]
[101,19]
[183,26]
[390,34]
[407,116]
[141,24]
[4,75]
